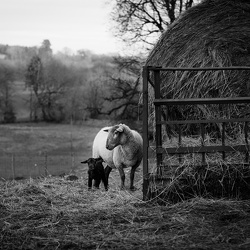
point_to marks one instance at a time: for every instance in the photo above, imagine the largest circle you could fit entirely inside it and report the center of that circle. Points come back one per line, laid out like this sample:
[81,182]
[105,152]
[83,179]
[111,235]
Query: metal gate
[152,75]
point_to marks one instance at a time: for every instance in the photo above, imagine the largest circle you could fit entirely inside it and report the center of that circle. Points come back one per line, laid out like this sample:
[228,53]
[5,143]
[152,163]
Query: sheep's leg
[132,176]
[122,175]
[107,170]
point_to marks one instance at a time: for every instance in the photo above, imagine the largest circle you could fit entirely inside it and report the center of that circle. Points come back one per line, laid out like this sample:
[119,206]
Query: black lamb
[96,172]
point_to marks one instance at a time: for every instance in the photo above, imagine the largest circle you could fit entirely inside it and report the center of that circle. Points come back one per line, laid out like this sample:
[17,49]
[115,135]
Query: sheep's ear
[120,128]
[84,161]
[106,130]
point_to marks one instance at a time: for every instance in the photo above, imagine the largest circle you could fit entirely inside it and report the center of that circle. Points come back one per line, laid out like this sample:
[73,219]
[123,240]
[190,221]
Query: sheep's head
[115,137]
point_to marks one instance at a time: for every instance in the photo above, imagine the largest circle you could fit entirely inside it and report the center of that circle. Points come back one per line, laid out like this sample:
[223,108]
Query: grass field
[65,146]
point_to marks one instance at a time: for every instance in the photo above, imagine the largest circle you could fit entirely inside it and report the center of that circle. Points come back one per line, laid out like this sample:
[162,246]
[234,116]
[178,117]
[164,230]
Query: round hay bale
[214,33]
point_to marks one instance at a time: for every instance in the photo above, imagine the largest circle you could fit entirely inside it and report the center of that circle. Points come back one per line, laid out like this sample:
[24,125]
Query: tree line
[67,86]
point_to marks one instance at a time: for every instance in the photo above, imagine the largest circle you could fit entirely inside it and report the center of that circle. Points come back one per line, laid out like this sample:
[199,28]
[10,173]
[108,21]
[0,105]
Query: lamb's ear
[99,159]
[84,161]
[106,130]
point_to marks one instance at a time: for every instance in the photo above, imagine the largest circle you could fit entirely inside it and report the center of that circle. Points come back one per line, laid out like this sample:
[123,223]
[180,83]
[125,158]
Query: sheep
[119,147]
[96,172]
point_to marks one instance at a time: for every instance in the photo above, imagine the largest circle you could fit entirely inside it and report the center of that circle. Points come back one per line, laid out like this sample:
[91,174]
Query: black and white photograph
[125,124]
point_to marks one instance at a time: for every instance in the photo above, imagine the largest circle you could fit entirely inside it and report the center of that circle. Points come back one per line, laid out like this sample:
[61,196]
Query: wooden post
[13,166]
[71,145]
[45,163]
[223,140]
[145,133]
[72,160]
[246,141]
[179,142]
[203,142]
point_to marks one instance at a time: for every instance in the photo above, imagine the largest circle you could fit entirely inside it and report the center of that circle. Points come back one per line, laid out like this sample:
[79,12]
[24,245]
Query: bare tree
[49,83]
[6,91]
[141,22]
[94,97]
[34,79]
[125,88]
[144,20]
[45,51]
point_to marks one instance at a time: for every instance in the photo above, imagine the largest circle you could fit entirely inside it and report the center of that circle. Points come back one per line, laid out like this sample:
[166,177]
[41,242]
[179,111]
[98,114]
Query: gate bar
[200,69]
[158,127]
[192,101]
[145,132]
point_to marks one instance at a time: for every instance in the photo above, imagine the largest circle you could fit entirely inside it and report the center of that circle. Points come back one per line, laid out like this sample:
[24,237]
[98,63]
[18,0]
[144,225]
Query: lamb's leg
[104,179]
[107,170]
[89,183]
[122,175]
[97,183]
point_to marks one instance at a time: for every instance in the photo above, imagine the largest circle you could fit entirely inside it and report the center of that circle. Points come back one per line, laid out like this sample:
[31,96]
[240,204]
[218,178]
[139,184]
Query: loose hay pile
[53,213]
[187,176]
[209,181]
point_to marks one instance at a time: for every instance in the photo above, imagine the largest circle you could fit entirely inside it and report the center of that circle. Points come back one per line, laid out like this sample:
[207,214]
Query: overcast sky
[75,24]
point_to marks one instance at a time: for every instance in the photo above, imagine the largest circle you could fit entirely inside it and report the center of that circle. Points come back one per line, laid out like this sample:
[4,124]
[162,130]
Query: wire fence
[27,165]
